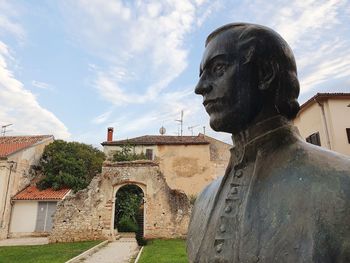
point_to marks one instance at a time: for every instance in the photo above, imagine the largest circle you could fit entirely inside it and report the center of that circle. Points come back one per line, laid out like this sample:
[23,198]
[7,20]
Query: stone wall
[89,214]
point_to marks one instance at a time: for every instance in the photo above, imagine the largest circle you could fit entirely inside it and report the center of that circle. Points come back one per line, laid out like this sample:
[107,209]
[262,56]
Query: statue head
[247,74]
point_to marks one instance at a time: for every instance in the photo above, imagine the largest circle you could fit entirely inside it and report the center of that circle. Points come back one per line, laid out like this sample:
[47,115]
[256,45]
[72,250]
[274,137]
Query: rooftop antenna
[3,129]
[204,130]
[162,130]
[191,128]
[181,122]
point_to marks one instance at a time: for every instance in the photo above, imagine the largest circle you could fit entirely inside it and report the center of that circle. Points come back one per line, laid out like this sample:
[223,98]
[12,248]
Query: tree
[69,164]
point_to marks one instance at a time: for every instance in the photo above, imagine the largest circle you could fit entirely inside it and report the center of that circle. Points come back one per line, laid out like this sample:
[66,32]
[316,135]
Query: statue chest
[247,226]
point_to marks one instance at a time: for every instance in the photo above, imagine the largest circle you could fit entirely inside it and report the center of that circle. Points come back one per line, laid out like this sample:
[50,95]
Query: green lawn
[51,253]
[164,251]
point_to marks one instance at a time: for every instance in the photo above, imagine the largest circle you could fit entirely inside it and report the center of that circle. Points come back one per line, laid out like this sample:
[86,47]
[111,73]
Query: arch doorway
[129,210]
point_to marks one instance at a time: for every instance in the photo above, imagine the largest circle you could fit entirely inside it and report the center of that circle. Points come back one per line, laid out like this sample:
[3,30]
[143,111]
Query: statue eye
[219,68]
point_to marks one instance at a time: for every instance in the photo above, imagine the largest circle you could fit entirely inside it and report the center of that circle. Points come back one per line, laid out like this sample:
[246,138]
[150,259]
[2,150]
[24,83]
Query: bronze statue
[281,199]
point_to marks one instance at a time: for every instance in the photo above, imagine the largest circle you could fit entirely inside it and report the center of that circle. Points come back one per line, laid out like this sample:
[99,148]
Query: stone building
[324,120]
[18,154]
[177,167]
[90,214]
[188,163]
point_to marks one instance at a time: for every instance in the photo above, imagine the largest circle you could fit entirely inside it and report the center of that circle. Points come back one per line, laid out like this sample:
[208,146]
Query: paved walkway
[26,241]
[120,251]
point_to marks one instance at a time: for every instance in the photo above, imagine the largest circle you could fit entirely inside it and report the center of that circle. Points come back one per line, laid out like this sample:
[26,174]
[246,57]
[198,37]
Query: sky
[72,68]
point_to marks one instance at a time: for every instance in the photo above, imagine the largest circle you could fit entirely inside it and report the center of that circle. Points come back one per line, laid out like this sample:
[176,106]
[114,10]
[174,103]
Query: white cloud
[8,12]
[316,30]
[102,118]
[42,85]
[21,108]
[148,38]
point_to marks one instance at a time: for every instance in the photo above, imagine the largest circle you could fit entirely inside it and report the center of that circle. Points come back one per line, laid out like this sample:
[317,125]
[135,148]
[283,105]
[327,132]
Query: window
[348,134]
[149,154]
[314,139]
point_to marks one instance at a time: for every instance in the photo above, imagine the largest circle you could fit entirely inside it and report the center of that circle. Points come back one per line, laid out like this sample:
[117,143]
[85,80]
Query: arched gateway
[129,209]
[90,214]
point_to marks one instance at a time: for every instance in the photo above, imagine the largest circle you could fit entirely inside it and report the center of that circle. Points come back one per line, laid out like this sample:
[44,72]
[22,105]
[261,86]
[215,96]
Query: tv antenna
[181,122]
[191,128]
[162,130]
[4,129]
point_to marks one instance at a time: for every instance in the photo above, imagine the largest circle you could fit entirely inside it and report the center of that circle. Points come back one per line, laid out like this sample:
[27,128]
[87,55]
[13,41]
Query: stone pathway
[25,241]
[120,251]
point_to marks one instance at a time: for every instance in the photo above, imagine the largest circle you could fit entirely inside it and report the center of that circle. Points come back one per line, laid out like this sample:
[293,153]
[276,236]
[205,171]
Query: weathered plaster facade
[89,214]
[16,174]
[188,167]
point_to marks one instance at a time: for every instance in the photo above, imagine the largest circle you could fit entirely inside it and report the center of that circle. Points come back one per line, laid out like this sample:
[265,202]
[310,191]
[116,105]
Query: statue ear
[267,74]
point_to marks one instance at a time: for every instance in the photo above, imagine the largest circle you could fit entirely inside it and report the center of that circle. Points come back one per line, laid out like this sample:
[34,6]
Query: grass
[51,253]
[164,251]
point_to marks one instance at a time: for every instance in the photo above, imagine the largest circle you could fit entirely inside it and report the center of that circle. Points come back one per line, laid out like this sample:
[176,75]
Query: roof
[324,96]
[33,193]
[12,144]
[161,140]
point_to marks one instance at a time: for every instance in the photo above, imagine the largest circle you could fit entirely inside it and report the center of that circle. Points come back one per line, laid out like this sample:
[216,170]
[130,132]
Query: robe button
[219,248]
[228,209]
[222,229]
[234,190]
[238,173]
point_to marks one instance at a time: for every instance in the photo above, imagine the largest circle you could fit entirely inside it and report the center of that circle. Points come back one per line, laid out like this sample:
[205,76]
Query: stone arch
[116,189]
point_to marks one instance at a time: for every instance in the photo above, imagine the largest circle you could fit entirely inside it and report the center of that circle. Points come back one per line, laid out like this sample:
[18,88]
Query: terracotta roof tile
[33,193]
[161,140]
[11,144]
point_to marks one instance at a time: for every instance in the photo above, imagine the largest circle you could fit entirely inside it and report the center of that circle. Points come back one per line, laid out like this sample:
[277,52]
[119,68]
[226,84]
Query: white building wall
[339,121]
[15,172]
[334,122]
[23,218]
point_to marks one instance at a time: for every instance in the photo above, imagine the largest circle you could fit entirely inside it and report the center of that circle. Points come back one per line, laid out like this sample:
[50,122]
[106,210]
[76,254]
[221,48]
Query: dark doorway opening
[129,212]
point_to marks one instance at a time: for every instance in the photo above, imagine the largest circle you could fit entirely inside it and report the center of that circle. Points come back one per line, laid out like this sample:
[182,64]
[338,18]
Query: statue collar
[257,137]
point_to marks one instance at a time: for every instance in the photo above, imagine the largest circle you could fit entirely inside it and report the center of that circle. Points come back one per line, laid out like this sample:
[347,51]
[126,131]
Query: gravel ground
[120,251]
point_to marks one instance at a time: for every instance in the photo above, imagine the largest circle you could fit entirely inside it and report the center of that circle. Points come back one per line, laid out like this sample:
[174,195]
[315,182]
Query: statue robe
[281,200]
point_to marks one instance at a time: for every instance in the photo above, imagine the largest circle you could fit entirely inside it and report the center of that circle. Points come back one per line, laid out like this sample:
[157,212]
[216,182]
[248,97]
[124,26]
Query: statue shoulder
[325,161]
[209,191]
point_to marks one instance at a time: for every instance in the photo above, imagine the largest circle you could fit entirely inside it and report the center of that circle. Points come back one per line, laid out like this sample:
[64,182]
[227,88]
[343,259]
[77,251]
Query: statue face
[228,86]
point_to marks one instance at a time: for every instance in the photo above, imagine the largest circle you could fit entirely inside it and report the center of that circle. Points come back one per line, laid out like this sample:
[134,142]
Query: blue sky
[73,68]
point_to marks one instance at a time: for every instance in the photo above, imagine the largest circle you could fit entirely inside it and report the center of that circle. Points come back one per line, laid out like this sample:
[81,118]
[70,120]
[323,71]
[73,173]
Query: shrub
[69,164]
[127,224]
[126,154]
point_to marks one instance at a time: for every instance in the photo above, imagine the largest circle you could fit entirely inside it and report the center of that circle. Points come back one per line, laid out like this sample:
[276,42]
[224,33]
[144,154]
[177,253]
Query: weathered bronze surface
[281,199]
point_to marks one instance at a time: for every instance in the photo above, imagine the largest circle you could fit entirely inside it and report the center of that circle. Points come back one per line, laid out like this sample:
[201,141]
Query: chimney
[109,134]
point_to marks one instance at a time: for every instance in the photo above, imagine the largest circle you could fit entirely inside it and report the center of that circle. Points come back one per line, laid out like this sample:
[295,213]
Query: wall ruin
[89,214]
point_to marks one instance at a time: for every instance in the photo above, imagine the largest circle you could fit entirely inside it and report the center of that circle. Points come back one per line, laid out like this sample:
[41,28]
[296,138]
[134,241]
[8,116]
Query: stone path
[120,251]
[26,241]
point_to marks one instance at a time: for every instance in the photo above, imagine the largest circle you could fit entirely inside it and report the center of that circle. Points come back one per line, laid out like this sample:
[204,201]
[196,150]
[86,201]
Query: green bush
[69,164]
[126,224]
[126,154]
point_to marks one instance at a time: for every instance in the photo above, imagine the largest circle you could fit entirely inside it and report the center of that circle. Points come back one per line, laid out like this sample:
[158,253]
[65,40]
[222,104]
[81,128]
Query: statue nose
[203,87]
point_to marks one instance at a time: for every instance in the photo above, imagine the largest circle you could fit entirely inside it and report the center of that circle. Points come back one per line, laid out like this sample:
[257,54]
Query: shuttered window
[149,154]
